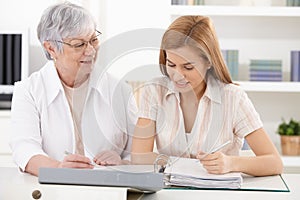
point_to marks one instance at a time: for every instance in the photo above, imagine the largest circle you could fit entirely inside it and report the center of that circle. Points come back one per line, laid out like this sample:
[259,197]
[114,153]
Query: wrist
[234,164]
[125,162]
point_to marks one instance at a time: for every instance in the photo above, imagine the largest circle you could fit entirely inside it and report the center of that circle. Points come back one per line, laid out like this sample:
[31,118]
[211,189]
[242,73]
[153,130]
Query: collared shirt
[42,122]
[224,113]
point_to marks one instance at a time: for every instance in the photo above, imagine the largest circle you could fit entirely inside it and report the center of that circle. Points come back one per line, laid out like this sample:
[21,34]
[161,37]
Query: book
[295,66]
[231,58]
[190,173]
[265,70]
[2,63]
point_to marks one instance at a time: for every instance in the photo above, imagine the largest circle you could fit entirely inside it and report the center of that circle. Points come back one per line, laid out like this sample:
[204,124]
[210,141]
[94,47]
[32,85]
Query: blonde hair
[197,32]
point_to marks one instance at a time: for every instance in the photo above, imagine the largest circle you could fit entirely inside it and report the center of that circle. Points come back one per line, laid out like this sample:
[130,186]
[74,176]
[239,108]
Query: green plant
[291,128]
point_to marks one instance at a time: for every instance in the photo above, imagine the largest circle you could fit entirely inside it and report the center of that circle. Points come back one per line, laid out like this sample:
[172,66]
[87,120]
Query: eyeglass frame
[83,42]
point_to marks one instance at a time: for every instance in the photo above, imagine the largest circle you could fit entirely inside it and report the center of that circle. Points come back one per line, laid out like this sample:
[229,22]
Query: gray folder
[143,181]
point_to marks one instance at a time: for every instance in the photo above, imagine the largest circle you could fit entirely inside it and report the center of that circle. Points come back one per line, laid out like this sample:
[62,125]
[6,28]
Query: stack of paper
[190,172]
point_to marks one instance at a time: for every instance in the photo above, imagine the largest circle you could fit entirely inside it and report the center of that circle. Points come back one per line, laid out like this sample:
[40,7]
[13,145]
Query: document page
[190,172]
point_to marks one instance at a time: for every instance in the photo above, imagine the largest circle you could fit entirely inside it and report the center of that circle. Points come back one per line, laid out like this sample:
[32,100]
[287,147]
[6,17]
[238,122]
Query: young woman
[195,108]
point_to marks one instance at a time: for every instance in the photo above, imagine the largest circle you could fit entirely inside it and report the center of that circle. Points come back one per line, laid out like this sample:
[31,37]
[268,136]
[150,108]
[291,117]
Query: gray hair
[63,20]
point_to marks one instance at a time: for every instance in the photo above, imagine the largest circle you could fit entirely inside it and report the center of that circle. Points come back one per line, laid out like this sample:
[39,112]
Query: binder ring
[160,163]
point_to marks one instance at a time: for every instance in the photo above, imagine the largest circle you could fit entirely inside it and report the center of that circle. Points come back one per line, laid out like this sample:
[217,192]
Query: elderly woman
[60,116]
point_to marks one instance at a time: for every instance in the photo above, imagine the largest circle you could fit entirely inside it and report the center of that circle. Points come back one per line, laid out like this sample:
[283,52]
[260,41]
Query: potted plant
[289,137]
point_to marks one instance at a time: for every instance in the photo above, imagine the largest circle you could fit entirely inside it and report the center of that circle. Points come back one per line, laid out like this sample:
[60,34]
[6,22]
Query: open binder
[173,173]
[186,173]
[189,172]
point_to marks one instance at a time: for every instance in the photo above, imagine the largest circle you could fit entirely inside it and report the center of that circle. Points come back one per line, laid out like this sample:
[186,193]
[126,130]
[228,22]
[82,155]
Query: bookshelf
[258,32]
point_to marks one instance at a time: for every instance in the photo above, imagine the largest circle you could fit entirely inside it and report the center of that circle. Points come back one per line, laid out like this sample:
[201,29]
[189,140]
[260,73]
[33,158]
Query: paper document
[190,172]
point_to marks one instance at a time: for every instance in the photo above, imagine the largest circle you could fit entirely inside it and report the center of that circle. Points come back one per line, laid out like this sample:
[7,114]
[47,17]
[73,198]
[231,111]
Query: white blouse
[42,121]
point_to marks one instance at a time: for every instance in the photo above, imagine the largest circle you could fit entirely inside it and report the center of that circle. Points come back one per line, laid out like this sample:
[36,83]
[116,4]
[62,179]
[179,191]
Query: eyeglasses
[80,45]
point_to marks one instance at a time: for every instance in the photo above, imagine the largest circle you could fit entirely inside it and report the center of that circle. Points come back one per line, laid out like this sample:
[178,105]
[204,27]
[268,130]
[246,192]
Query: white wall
[113,17]
[18,14]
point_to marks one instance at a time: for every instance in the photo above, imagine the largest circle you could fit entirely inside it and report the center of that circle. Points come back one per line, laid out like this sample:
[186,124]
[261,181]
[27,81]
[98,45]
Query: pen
[220,147]
[68,153]
[216,149]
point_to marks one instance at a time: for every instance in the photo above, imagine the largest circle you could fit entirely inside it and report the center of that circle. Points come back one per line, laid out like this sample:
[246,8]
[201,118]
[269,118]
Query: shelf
[269,86]
[291,164]
[6,89]
[291,161]
[5,113]
[235,11]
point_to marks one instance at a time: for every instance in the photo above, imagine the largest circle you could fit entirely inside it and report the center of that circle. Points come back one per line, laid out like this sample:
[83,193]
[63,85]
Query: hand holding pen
[216,162]
[108,157]
[76,161]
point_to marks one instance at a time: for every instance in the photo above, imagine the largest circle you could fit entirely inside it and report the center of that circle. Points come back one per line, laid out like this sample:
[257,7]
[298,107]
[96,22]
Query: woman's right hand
[76,161]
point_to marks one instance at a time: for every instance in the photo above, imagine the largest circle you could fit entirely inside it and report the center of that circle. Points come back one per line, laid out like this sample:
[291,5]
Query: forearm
[263,165]
[143,158]
[143,142]
[39,161]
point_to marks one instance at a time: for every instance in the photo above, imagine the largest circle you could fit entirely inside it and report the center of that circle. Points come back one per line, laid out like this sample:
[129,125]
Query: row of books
[262,69]
[295,66]
[292,2]
[187,2]
[265,70]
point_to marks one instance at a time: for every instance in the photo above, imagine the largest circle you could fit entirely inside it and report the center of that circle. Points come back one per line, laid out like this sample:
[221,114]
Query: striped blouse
[224,113]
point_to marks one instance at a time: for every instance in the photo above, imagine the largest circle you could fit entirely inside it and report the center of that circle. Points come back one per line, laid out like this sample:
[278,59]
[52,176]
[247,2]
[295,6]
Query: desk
[15,185]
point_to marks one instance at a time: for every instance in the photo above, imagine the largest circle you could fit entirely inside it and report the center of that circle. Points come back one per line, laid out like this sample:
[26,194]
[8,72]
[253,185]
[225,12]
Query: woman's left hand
[108,158]
[215,163]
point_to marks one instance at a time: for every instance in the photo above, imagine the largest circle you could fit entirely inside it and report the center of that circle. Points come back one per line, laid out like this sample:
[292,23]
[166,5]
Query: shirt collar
[213,89]
[171,90]
[51,81]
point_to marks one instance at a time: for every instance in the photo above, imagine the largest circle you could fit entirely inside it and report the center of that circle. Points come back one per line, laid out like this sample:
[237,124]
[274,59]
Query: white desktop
[17,185]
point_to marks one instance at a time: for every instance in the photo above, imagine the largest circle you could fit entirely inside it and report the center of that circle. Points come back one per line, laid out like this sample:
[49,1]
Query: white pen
[68,153]
[220,147]
[216,149]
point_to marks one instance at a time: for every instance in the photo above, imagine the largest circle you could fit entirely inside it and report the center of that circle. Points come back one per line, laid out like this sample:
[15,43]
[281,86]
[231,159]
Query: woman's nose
[90,50]
[178,74]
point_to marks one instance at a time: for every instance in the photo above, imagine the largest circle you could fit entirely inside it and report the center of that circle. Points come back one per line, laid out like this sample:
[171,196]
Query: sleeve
[125,110]
[131,116]
[246,118]
[25,140]
[148,105]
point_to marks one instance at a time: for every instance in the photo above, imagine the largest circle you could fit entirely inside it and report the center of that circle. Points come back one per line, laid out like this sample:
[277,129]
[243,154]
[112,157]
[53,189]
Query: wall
[113,17]
[18,14]
[15,14]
